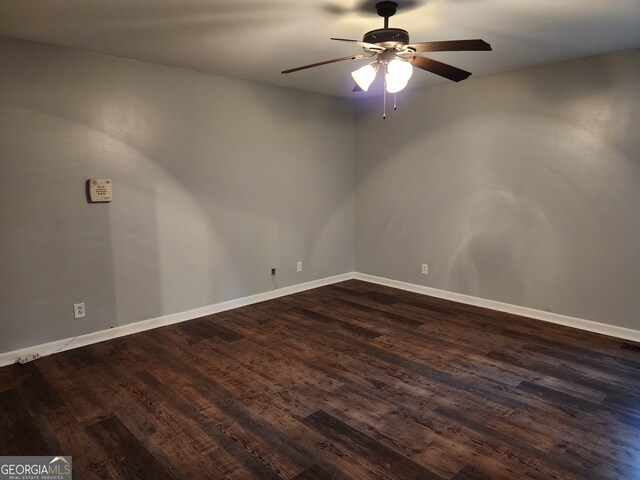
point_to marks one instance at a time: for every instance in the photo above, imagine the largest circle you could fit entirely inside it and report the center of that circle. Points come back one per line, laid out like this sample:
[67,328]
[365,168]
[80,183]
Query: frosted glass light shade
[365,76]
[393,85]
[398,74]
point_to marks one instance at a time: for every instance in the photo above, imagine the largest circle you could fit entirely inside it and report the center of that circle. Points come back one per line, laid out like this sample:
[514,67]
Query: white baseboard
[579,323]
[120,331]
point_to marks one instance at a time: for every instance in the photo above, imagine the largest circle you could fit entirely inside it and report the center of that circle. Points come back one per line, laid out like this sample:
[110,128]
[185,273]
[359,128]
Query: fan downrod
[388,38]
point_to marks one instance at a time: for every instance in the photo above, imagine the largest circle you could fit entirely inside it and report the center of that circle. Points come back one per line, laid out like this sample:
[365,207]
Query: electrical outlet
[425,269]
[79,311]
[299,267]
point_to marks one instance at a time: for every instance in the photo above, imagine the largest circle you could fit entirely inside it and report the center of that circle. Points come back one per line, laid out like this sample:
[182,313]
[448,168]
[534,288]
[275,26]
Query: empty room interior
[330,239]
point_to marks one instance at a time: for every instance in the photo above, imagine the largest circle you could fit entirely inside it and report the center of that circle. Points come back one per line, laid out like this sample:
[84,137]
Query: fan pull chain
[384,97]
[384,105]
[395,104]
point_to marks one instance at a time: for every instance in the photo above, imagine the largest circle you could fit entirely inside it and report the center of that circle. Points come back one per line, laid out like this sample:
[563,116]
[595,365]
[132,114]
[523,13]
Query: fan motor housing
[387,37]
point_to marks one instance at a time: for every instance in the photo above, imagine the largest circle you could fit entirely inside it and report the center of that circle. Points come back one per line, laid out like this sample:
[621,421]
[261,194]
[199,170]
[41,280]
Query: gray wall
[522,188]
[215,181]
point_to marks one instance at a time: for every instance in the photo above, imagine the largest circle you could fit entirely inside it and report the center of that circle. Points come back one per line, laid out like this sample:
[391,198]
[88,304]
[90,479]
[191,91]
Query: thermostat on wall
[99,190]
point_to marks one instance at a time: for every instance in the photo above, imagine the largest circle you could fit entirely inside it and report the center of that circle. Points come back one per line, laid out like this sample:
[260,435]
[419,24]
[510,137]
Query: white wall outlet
[425,269]
[79,311]
[299,267]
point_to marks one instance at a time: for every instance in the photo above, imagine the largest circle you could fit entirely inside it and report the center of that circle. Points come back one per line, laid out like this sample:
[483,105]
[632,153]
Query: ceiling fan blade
[333,60]
[370,46]
[439,68]
[451,46]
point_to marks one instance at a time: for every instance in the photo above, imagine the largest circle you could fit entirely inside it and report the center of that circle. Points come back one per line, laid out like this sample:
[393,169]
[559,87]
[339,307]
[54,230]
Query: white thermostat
[99,190]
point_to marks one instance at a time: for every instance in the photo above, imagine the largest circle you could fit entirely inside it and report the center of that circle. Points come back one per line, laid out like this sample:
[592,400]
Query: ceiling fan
[391,51]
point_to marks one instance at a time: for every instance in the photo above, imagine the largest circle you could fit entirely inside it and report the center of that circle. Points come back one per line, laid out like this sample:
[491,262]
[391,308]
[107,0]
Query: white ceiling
[255,40]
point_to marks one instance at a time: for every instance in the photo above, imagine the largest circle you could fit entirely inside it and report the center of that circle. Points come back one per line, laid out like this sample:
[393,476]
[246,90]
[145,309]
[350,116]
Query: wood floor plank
[287,438]
[246,455]
[88,458]
[314,472]
[220,400]
[71,387]
[482,468]
[352,380]
[576,403]
[389,463]
[131,458]
[398,432]
[21,434]
[12,376]
[564,465]
[206,328]
[351,369]
[574,373]
[459,395]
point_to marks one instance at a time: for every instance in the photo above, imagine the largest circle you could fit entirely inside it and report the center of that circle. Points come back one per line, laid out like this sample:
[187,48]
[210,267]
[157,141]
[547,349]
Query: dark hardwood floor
[352,380]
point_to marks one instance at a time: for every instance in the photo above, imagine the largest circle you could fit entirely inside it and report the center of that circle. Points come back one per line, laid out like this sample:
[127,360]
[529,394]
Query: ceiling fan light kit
[392,51]
[365,76]
[398,74]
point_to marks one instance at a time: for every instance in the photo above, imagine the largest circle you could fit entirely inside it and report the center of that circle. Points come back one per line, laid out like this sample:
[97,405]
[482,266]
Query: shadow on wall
[53,244]
[128,260]
[209,189]
[537,210]
[307,159]
[511,207]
